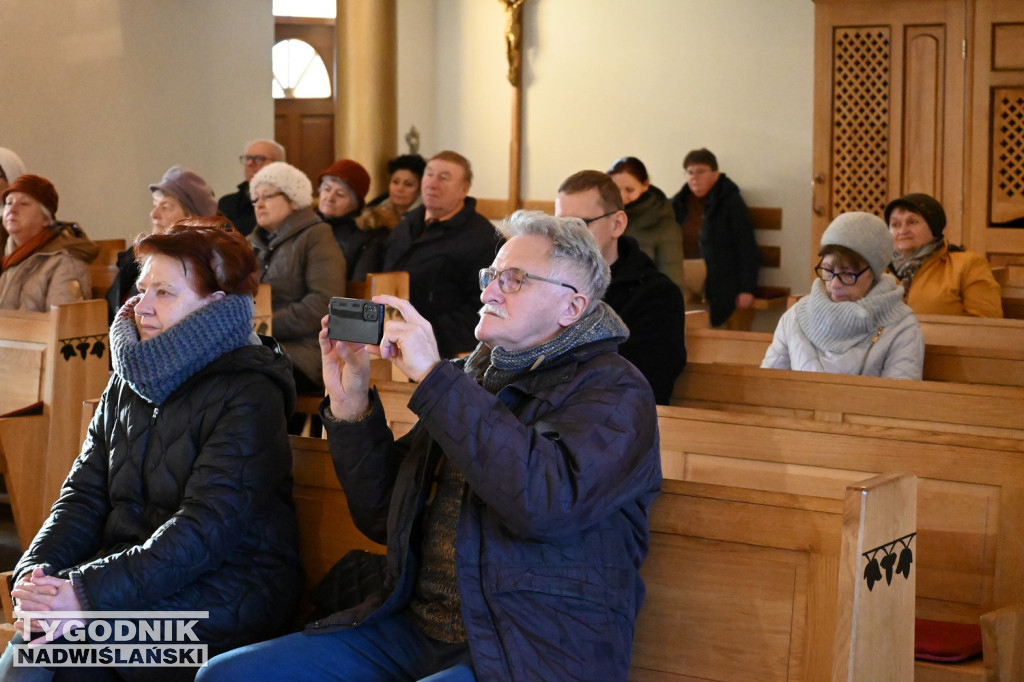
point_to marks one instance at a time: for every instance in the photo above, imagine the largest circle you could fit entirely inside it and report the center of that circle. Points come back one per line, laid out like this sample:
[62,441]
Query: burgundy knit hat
[351,173]
[39,188]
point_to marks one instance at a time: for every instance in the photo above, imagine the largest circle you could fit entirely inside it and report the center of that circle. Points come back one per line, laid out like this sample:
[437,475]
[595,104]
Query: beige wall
[102,96]
[609,78]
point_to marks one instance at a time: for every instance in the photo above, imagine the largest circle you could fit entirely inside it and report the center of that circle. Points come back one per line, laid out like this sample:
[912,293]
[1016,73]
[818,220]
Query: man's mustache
[493,310]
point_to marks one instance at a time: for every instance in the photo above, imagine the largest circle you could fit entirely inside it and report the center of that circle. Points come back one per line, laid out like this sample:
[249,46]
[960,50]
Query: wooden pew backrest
[75,366]
[326,529]
[746,584]
[970,503]
[991,411]
[974,332]
[961,364]
[263,321]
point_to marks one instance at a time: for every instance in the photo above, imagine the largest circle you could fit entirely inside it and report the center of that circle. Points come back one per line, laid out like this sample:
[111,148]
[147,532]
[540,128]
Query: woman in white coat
[854,321]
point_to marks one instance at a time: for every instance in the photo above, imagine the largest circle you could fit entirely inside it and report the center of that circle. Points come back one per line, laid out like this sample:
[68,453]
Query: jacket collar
[296,223]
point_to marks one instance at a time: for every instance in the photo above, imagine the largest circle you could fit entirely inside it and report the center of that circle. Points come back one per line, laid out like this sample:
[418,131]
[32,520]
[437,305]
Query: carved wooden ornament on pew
[83,346]
[874,567]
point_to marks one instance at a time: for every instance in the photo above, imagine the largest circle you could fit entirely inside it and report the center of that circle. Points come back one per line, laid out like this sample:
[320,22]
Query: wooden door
[306,126]
[995,197]
[888,106]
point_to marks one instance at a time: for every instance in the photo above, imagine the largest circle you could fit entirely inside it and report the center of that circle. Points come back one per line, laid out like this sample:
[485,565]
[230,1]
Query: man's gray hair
[282,154]
[573,249]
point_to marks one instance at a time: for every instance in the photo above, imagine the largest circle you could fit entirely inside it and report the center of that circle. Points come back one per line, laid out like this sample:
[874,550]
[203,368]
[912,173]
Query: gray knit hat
[864,234]
[191,190]
[11,164]
[286,178]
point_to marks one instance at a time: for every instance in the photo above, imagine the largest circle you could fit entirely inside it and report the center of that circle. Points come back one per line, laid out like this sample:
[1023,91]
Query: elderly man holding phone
[516,510]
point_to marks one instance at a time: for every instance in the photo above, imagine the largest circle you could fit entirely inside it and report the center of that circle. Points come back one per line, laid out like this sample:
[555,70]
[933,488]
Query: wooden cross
[514,52]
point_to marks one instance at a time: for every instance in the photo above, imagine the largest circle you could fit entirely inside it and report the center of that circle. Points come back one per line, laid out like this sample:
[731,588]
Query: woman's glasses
[265,197]
[847,278]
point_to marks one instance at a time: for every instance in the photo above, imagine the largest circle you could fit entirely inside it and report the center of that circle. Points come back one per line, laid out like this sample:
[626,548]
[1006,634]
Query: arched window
[299,71]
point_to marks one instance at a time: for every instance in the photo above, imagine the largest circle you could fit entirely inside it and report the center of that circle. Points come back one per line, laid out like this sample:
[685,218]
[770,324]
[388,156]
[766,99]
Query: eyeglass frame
[255,158]
[496,275]
[587,221]
[265,197]
[839,275]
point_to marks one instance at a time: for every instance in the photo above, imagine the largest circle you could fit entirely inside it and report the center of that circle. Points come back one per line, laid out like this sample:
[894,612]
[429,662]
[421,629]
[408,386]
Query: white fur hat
[286,178]
[11,164]
[864,234]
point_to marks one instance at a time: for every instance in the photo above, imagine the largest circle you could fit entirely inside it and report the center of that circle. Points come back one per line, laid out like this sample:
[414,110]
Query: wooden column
[366,111]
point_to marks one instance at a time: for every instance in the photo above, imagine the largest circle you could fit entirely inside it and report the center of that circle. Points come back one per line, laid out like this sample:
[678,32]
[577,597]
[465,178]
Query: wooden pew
[970,504]
[103,270]
[977,332]
[326,529]
[961,364]
[989,411]
[263,319]
[745,584]
[59,358]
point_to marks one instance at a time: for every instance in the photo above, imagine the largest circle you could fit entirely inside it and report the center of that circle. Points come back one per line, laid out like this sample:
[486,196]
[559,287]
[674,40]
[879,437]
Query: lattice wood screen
[860,119]
[1007,157]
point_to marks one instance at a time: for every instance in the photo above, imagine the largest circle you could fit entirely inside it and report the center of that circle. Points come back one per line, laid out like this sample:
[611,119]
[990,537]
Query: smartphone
[356,320]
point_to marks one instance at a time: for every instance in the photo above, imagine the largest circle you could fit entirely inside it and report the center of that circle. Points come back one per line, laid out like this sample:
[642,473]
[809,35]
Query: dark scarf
[496,368]
[906,267]
[156,367]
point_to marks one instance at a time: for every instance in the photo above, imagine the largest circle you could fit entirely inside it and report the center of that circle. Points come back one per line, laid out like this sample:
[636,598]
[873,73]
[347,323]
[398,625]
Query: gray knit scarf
[907,266]
[838,327]
[156,367]
[496,368]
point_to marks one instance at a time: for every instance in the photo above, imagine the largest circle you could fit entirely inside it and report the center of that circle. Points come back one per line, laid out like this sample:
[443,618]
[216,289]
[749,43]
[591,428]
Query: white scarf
[837,327]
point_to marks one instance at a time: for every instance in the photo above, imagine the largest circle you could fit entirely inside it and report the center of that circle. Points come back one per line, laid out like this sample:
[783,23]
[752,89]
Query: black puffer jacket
[186,506]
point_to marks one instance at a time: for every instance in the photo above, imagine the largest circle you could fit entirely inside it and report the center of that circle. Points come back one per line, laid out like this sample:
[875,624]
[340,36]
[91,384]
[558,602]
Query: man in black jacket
[443,245]
[717,227]
[648,301]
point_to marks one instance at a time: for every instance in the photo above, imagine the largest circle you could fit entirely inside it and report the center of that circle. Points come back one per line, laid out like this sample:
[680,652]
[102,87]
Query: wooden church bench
[747,584]
[57,358]
[991,411]
[970,497]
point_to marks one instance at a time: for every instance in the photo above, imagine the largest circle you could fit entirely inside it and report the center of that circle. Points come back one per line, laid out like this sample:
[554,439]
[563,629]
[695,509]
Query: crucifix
[514,53]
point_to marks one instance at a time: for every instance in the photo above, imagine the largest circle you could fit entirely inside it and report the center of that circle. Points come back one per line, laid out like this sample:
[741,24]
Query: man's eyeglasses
[847,278]
[258,160]
[587,221]
[265,197]
[511,280]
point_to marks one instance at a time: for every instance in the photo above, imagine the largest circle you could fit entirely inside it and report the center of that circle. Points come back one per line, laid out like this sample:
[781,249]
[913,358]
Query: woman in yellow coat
[938,279]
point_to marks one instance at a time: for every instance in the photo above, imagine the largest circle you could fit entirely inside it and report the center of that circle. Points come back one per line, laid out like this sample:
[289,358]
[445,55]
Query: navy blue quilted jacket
[562,467]
[186,506]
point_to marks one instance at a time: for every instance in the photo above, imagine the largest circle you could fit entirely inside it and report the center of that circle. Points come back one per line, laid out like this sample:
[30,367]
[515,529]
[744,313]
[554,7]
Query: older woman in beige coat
[45,262]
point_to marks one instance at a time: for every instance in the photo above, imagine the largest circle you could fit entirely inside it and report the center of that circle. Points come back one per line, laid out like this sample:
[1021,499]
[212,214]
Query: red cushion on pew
[946,642]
